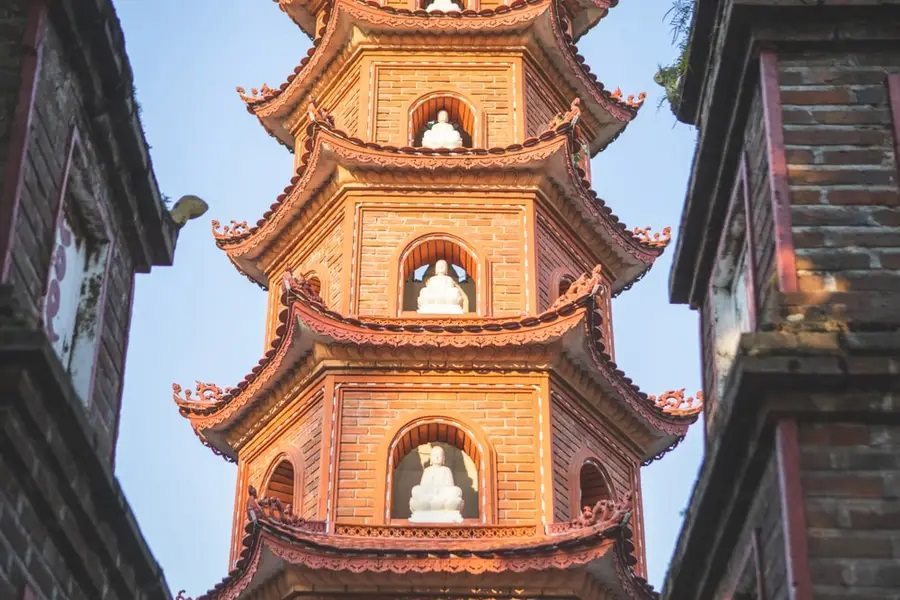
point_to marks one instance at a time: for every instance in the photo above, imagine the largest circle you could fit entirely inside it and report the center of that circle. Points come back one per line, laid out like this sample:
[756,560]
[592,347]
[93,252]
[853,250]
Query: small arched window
[410,457]
[281,483]
[593,484]
[419,263]
[315,283]
[565,282]
[424,113]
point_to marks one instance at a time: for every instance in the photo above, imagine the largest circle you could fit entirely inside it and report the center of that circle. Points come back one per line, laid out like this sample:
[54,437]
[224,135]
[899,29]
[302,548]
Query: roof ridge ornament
[587,284]
[317,115]
[235,229]
[569,117]
[206,393]
[674,402]
[606,512]
[654,240]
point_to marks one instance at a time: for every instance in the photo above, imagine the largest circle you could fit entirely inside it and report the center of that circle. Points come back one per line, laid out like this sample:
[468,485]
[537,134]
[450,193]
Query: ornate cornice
[475,550]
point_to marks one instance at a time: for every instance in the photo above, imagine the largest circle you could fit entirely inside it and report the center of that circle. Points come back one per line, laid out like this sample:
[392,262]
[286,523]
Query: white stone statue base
[441,309]
[436,516]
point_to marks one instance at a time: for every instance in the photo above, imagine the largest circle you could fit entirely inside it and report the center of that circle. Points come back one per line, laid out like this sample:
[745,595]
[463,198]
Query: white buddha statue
[441,294]
[442,134]
[443,6]
[436,499]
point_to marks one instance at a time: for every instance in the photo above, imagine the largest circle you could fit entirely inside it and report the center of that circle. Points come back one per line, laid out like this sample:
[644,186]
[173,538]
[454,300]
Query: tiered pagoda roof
[334,44]
[558,344]
[326,148]
[585,13]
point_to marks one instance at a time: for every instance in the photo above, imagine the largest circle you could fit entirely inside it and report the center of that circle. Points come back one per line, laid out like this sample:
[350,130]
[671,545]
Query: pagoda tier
[590,557]
[514,68]
[566,340]
[334,168]
[583,14]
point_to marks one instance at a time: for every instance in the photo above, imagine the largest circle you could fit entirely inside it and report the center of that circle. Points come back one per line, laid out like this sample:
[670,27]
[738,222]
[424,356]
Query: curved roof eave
[277,538]
[305,320]
[244,243]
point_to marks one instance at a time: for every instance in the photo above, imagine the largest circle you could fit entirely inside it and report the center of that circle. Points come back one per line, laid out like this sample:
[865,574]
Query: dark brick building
[790,251]
[80,214]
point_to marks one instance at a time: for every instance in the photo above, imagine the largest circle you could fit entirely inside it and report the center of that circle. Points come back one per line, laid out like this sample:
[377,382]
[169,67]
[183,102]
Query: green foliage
[680,18]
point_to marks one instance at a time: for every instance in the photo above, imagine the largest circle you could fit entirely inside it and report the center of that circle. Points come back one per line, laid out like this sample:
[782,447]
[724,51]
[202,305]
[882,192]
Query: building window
[450,293]
[425,116]
[412,454]
[593,484]
[281,483]
[731,293]
[76,283]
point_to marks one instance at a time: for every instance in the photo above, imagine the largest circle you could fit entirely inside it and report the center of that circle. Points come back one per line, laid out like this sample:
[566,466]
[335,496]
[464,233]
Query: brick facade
[796,496]
[69,151]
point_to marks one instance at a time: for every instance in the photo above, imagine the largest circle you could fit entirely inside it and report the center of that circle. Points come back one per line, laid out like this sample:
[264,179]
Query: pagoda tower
[439,413]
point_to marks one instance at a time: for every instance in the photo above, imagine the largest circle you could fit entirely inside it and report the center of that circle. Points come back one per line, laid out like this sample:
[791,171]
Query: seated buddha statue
[443,6]
[442,134]
[441,294]
[436,499]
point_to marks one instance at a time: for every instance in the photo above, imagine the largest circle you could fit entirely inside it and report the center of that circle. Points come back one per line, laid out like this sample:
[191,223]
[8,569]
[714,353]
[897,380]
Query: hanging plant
[670,77]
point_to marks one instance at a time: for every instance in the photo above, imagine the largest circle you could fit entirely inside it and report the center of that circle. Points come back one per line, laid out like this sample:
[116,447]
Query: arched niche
[417,263]
[593,483]
[316,275]
[563,284]
[463,4]
[281,482]
[559,282]
[589,482]
[461,111]
[466,454]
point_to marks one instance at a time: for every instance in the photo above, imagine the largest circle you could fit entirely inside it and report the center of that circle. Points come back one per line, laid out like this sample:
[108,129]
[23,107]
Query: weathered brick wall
[58,104]
[505,414]
[497,231]
[12,21]
[849,475]
[762,519]
[57,535]
[574,431]
[843,179]
[488,82]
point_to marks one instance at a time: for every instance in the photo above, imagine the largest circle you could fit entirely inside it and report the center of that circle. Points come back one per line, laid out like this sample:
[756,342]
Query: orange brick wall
[487,83]
[301,440]
[320,251]
[571,434]
[555,256]
[506,416]
[539,107]
[346,108]
[386,229]
[575,430]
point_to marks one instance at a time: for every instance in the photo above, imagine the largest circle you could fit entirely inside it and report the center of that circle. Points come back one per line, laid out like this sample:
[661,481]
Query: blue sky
[202,320]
